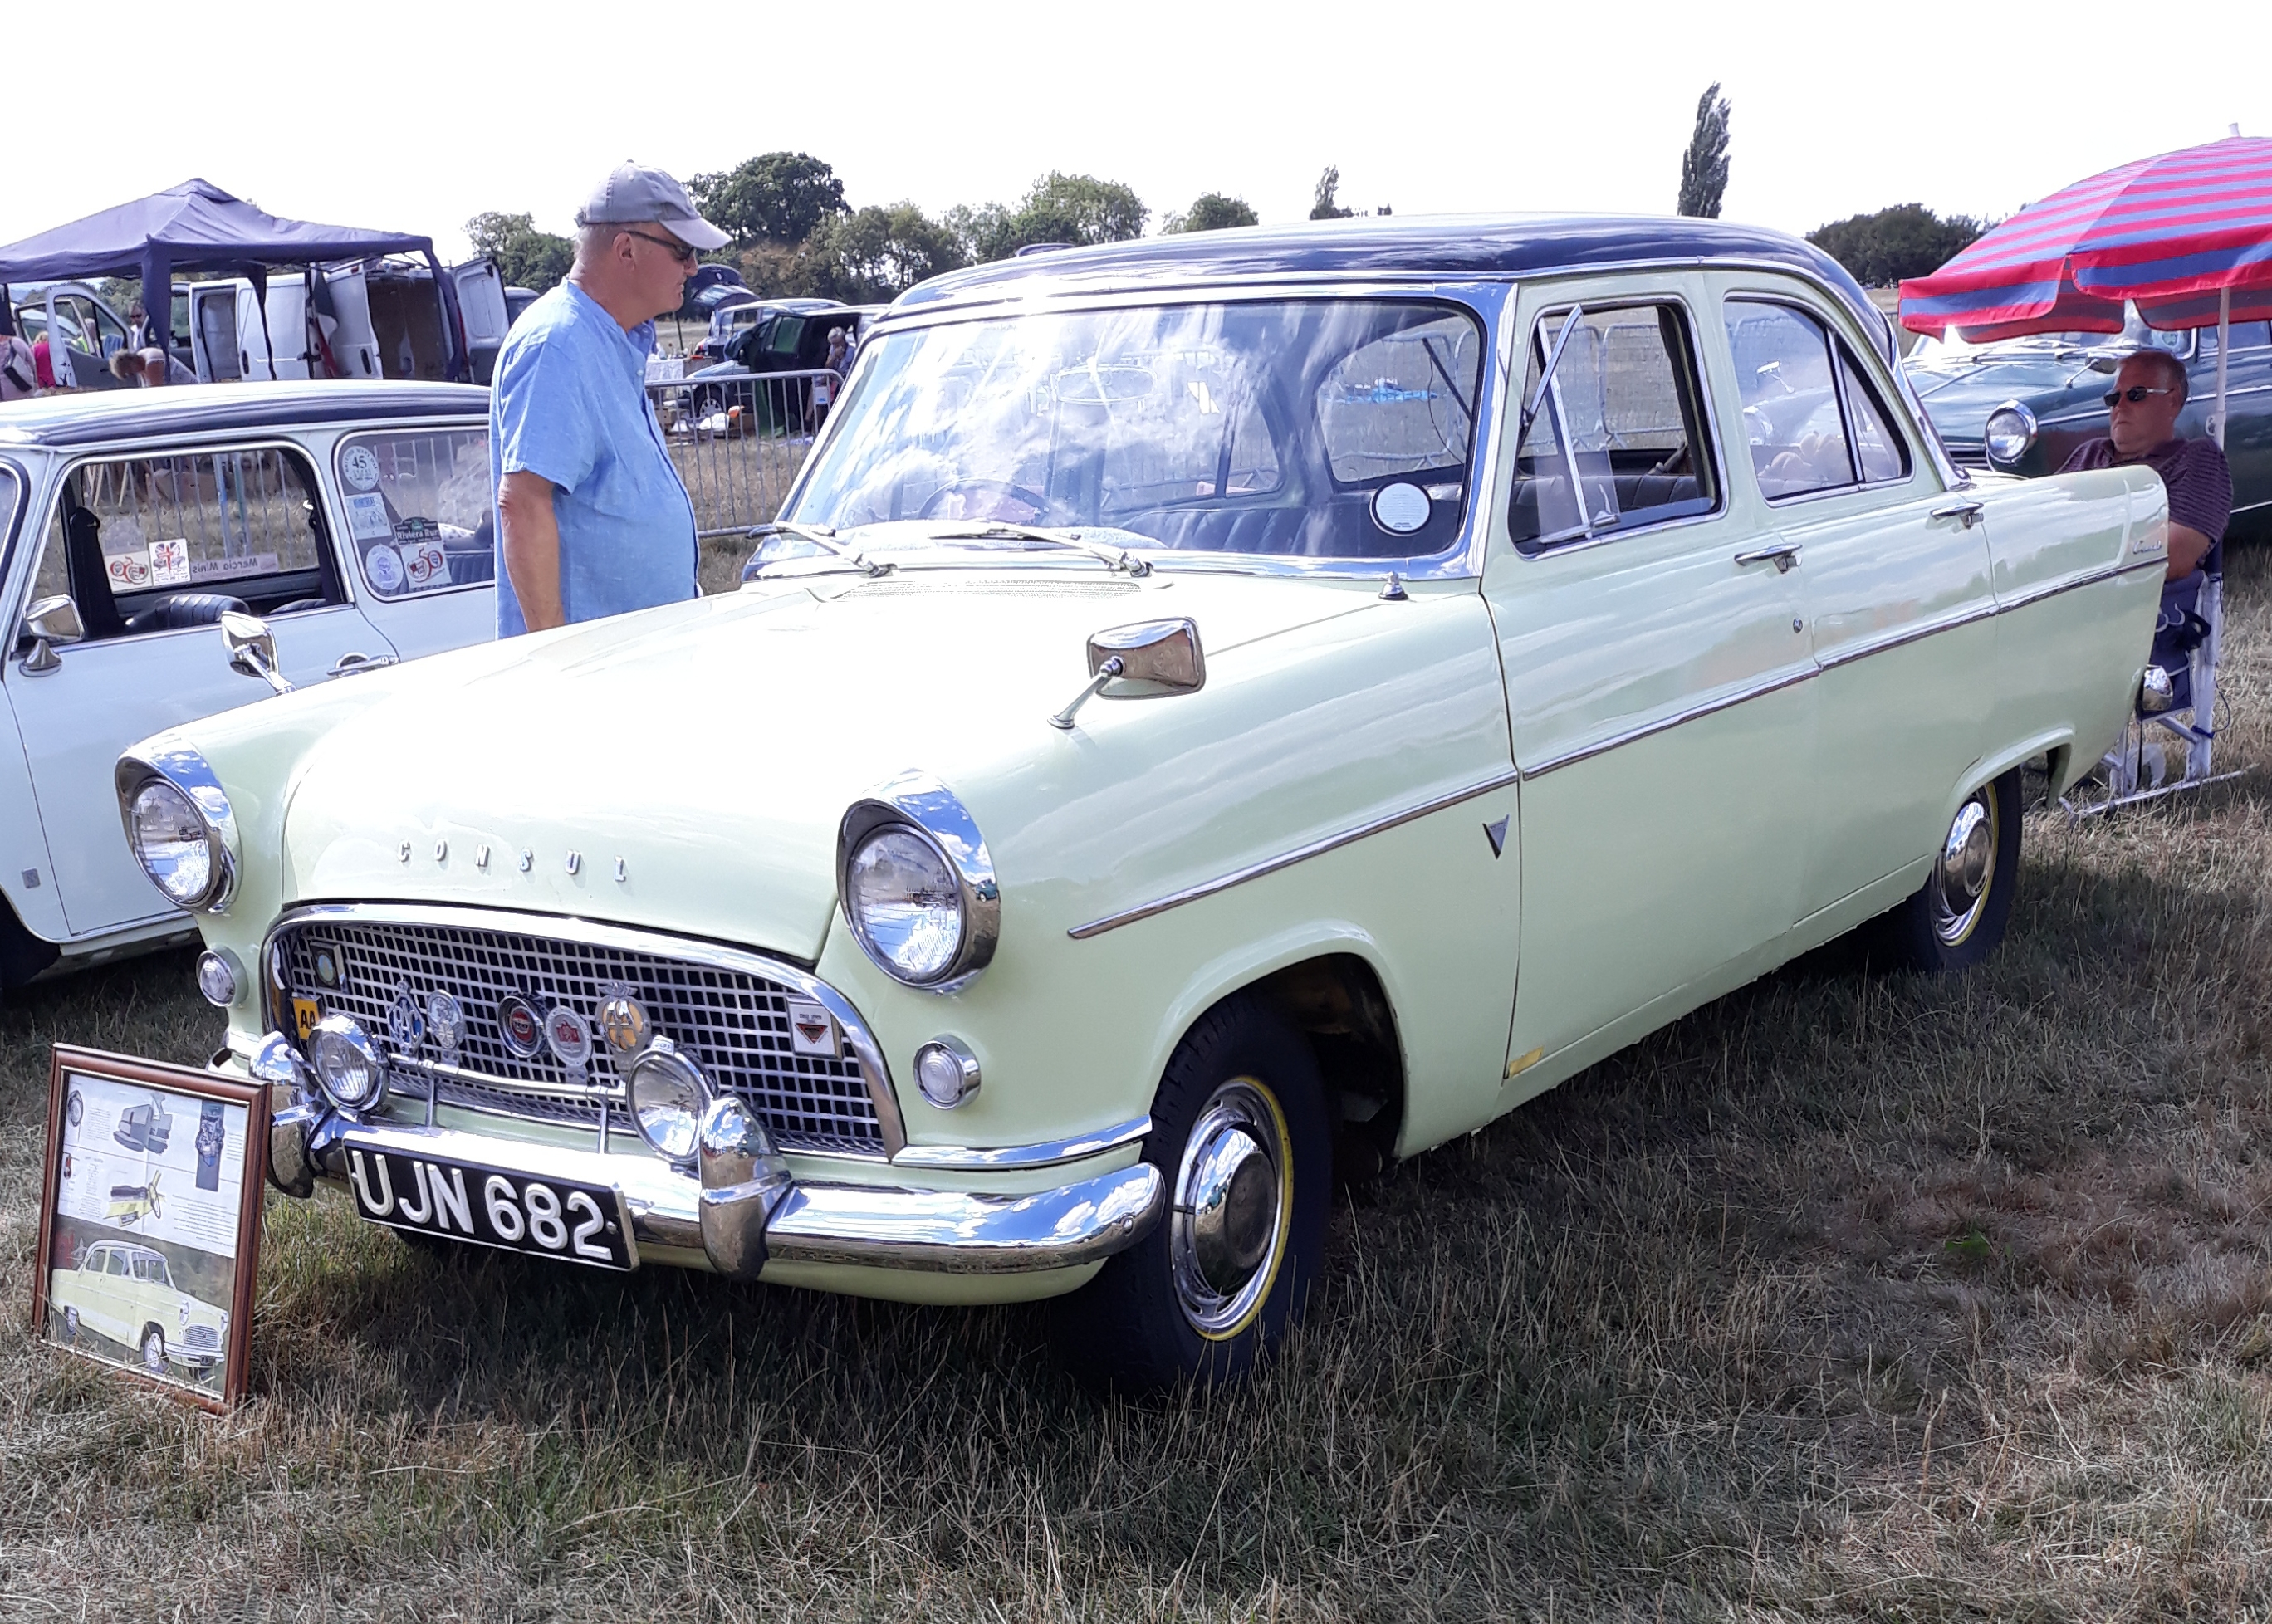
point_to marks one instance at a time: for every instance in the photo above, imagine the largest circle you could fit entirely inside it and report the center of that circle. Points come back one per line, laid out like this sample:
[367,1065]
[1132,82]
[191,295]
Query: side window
[418,509]
[153,1269]
[115,1262]
[2245,336]
[1791,416]
[1612,436]
[147,544]
[1879,448]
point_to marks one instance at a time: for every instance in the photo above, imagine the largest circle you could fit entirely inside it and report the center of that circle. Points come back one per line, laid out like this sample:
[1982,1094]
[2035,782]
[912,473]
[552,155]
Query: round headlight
[347,1066]
[901,896]
[172,843]
[2011,431]
[668,1096]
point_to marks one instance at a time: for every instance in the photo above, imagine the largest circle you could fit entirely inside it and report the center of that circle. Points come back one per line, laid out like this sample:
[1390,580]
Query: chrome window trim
[567,928]
[1462,560]
[1634,734]
[1701,377]
[186,769]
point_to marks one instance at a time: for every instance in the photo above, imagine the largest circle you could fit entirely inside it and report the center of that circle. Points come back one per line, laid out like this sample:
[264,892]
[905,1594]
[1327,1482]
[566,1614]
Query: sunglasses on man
[2133,394]
[683,253]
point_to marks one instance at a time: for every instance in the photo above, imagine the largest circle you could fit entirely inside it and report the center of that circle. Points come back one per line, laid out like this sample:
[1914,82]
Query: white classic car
[352,516]
[1213,711]
[127,1293]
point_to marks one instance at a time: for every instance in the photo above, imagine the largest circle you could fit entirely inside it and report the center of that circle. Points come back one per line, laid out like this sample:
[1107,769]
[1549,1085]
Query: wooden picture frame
[150,1220]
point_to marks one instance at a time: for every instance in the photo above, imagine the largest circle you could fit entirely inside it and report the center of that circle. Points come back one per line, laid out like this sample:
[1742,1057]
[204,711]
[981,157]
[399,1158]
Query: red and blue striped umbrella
[2173,233]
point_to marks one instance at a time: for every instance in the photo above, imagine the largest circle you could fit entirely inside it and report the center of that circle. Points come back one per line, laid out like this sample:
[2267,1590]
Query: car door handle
[348,665]
[1784,555]
[1967,510]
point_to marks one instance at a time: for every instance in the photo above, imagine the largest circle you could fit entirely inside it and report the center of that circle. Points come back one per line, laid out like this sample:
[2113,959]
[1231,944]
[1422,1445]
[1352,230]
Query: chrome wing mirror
[47,623]
[1160,657]
[252,648]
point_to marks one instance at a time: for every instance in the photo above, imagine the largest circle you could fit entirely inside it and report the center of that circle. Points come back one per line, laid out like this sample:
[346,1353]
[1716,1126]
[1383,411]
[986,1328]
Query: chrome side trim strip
[1600,747]
[1662,724]
[1009,1157]
[567,928]
[1272,865]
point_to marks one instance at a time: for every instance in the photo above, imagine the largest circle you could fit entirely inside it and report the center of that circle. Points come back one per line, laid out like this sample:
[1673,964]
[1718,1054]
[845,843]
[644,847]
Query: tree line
[795,234]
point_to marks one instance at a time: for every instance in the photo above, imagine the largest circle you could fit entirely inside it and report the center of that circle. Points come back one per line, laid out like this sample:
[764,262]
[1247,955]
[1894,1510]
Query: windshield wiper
[820,536]
[1113,558]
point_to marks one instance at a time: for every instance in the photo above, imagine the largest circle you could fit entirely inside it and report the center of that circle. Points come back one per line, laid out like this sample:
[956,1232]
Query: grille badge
[520,1026]
[624,1025]
[570,1036]
[405,1022]
[445,1023]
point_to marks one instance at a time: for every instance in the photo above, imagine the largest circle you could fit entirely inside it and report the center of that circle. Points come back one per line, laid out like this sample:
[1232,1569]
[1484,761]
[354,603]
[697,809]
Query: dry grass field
[1848,1297]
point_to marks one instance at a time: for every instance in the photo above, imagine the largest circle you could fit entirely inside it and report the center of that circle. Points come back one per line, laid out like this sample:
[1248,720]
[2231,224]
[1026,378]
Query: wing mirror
[252,648]
[47,623]
[1163,655]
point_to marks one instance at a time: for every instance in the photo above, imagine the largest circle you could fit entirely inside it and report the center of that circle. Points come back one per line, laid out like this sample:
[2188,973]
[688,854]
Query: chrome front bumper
[744,1208]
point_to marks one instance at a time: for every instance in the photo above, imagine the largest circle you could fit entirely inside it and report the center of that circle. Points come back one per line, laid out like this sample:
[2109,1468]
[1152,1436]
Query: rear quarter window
[417,505]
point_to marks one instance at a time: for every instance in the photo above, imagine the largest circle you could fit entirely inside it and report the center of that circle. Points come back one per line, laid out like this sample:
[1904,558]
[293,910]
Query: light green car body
[125,1307]
[1548,804]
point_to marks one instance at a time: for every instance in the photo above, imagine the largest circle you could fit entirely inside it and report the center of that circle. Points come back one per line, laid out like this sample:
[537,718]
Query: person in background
[149,368]
[592,517]
[2142,410]
[18,375]
[43,363]
[139,335]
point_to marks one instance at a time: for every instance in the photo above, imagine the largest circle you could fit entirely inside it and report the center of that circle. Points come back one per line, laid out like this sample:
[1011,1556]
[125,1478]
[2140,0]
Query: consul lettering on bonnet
[1239,708]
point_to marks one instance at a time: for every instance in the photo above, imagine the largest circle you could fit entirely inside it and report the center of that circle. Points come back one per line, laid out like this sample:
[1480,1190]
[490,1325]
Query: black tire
[1216,1285]
[71,1325]
[1947,925]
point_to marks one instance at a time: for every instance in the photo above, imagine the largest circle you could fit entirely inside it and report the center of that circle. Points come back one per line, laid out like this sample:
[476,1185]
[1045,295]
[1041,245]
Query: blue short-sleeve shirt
[569,403]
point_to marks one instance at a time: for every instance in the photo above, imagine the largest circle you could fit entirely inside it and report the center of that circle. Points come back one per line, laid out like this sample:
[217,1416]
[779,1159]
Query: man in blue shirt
[592,517]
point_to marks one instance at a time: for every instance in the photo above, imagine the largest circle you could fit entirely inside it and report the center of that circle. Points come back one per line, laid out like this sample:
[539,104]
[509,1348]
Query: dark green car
[2023,405]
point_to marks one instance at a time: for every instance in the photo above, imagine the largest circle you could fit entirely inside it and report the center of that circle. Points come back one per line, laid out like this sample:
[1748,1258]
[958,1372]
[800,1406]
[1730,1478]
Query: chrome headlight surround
[919,805]
[2010,430]
[188,772]
[660,1069]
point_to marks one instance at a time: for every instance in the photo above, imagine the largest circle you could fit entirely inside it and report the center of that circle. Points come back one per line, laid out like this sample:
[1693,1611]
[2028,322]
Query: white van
[371,318]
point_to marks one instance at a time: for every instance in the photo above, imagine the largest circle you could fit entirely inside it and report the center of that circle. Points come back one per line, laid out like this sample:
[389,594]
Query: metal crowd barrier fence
[738,439]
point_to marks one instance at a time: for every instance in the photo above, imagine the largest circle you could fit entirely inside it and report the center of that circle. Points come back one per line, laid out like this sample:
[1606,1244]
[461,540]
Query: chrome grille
[735,1024]
[201,1336]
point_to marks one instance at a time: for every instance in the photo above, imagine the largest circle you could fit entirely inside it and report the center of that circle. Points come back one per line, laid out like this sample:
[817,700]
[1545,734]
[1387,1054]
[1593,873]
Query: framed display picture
[150,1220]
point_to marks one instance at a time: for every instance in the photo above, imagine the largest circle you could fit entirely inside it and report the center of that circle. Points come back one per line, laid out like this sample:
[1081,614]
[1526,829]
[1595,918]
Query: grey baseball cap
[632,192]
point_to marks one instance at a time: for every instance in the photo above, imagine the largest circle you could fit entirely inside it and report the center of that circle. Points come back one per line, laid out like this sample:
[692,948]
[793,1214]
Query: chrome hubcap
[1228,1223]
[154,1352]
[1964,872]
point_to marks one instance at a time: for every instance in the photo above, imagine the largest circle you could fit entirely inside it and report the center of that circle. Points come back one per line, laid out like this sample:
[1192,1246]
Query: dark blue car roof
[99,416]
[1447,247]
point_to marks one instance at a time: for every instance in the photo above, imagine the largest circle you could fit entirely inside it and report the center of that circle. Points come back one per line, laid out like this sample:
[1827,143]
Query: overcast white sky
[412,115]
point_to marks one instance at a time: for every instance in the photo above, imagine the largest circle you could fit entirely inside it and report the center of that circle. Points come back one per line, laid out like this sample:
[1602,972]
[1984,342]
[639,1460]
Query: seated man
[2143,407]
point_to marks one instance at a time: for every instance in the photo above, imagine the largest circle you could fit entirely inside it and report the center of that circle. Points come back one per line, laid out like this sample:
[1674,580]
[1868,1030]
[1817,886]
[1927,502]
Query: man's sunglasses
[2133,394]
[685,254]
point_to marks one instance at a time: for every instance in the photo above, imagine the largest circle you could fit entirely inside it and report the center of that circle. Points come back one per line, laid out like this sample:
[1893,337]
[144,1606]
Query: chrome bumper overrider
[744,1210]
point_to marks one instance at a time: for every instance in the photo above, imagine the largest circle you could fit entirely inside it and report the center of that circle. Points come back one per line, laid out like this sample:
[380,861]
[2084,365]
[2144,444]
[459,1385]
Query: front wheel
[1239,1133]
[1956,919]
[153,1351]
[71,1325]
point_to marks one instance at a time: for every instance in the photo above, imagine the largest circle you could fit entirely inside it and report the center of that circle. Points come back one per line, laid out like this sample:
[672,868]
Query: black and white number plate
[580,1223]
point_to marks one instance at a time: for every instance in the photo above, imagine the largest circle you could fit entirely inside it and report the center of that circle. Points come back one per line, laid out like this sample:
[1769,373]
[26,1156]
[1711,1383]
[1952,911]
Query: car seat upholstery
[184,609]
[89,575]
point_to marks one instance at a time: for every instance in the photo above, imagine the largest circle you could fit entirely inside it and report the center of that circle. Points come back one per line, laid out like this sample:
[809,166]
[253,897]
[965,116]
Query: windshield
[1317,428]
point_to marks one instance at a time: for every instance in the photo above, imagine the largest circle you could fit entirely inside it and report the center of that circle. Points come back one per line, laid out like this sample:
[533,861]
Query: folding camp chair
[2176,712]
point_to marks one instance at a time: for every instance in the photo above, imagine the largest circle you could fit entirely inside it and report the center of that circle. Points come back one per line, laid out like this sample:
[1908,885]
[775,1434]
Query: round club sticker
[359,467]
[520,1025]
[384,565]
[570,1034]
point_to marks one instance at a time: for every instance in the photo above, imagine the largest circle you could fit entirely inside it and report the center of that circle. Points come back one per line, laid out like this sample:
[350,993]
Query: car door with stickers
[151,550]
[421,534]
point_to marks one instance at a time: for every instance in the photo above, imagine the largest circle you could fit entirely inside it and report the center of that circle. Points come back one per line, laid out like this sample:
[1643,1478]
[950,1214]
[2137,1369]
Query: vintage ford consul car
[1211,710]
[126,1292]
[351,516]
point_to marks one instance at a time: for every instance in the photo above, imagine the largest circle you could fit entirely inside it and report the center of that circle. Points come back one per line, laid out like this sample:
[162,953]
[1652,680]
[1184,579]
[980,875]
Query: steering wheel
[1040,503]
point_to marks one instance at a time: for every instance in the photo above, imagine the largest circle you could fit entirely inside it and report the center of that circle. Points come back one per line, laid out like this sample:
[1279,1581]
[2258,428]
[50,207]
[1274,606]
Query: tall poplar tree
[1704,166]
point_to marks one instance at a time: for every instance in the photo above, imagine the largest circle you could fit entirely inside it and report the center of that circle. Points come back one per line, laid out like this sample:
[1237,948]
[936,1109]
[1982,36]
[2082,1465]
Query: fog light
[348,1066]
[219,977]
[946,1072]
[669,1094]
